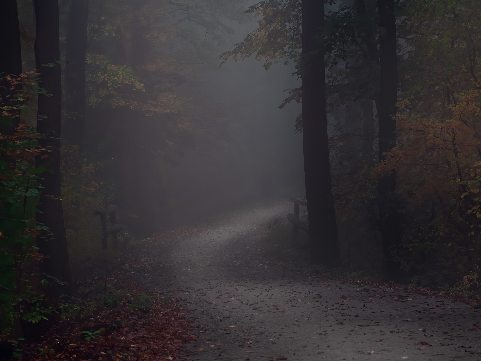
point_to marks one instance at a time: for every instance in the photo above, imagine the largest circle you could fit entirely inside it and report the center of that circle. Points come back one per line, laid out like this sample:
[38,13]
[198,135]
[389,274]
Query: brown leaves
[424,345]
[121,333]
[432,156]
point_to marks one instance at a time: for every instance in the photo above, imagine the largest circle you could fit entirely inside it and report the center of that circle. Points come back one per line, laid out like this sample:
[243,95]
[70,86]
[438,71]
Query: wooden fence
[113,229]
[294,218]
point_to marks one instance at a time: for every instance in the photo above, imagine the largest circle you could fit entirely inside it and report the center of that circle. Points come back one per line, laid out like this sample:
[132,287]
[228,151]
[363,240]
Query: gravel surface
[246,308]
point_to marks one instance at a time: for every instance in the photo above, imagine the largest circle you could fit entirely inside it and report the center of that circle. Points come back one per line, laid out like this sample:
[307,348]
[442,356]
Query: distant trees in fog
[403,77]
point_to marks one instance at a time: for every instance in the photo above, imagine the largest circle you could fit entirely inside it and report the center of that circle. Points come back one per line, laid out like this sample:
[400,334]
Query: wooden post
[296,210]
[113,221]
[112,230]
[294,218]
[295,231]
[103,224]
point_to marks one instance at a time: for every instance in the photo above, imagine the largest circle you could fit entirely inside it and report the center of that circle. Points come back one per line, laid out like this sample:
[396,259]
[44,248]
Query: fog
[248,152]
[214,139]
[262,154]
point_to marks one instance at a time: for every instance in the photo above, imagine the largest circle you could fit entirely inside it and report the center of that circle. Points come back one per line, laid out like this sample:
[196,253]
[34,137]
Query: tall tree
[52,242]
[76,50]
[365,10]
[320,201]
[10,60]
[388,205]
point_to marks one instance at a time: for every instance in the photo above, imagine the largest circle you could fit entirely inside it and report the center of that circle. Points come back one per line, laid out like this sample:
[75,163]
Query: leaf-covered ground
[115,319]
[210,294]
[244,307]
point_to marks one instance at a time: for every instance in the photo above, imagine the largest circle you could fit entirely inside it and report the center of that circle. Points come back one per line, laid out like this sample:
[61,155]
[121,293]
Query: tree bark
[76,51]
[366,9]
[140,45]
[388,204]
[10,61]
[11,58]
[52,243]
[320,202]
[368,131]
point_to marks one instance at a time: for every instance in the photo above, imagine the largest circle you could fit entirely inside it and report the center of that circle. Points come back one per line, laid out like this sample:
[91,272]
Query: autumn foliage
[437,164]
[123,324]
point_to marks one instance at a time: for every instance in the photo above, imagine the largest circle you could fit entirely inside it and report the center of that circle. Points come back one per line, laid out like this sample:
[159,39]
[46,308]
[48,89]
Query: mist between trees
[140,104]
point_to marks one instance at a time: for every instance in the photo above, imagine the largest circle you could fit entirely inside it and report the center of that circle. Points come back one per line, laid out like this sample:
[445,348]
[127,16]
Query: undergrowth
[280,247]
[123,322]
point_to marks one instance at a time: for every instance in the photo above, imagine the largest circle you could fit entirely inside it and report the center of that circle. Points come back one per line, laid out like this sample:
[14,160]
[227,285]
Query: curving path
[244,308]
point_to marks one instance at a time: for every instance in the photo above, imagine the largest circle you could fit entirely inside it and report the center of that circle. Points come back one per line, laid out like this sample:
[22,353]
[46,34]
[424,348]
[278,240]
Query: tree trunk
[366,10]
[51,243]
[10,61]
[320,202]
[368,131]
[388,204]
[76,50]
[140,45]
[11,58]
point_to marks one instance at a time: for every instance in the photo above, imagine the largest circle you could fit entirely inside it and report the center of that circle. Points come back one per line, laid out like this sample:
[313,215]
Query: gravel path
[247,309]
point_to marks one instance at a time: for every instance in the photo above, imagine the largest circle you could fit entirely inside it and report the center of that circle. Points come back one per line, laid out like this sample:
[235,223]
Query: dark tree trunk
[368,131]
[51,243]
[320,202]
[140,45]
[76,49]
[120,42]
[366,10]
[10,59]
[388,204]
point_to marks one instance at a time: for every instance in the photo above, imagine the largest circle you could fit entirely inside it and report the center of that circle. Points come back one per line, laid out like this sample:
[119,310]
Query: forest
[131,126]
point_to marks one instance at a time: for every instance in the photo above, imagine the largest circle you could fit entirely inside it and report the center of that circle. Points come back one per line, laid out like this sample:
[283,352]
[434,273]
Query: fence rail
[112,229]
[294,218]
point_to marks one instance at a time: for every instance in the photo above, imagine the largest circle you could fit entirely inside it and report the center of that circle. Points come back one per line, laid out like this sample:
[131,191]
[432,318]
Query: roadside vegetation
[110,317]
[280,247]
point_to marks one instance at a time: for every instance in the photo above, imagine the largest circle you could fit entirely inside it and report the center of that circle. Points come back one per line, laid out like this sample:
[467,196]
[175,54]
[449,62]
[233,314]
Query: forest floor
[245,307]
[110,318]
[211,293]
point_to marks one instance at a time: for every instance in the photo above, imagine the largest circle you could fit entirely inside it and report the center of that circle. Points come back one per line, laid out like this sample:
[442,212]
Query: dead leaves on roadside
[121,334]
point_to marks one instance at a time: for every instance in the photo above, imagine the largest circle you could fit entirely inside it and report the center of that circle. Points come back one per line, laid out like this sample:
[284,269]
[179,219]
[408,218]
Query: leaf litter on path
[294,315]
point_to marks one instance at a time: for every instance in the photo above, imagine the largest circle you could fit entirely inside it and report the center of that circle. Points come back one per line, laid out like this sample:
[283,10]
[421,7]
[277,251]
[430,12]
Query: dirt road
[245,308]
